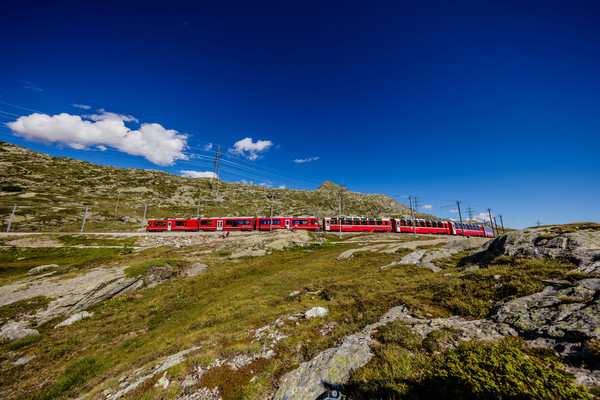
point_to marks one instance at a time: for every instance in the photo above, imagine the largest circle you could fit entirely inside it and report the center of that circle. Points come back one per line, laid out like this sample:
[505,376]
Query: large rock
[74,318]
[581,246]
[16,330]
[42,269]
[71,295]
[571,313]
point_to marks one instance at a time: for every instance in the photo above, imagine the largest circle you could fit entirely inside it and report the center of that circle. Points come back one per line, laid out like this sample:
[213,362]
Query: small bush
[500,370]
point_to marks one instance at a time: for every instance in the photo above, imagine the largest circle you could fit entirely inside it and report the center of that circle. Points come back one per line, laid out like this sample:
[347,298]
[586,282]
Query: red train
[233,224]
[354,224]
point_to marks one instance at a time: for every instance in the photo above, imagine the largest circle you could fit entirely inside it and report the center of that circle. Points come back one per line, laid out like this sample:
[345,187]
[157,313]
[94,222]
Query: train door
[327,224]
[220,225]
[287,224]
[169,225]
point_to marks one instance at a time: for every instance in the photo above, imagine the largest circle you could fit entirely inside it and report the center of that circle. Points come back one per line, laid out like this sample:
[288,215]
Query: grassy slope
[52,194]
[217,310]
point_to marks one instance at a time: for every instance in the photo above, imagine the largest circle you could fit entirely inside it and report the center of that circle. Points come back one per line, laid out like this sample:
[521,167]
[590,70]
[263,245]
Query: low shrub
[500,370]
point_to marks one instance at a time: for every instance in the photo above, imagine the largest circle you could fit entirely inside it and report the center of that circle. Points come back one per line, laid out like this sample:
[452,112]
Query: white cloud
[427,207]
[245,182]
[266,184]
[249,149]
[282,187]
[208,147]
[454,211]
[158,145]
[198,174]
[482,217]
[82,106]
[304,160]
[31,86]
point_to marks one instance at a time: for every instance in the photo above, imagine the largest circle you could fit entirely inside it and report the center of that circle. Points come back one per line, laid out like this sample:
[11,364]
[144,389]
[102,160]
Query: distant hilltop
[52,193]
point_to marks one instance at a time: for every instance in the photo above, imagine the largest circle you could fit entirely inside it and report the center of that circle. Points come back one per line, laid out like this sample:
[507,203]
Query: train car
[469,229]
[226,224]
[488,232]
[421,226]
[172,224]
[296,223]
[357,224]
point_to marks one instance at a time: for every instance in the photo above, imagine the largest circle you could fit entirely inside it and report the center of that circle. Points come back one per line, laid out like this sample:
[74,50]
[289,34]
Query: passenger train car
[357,224]
[300,223]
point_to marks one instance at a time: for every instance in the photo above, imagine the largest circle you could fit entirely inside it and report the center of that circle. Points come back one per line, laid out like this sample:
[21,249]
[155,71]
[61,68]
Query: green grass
[82,240]
[18,309]
[15,262]
[218,309]
[141,269]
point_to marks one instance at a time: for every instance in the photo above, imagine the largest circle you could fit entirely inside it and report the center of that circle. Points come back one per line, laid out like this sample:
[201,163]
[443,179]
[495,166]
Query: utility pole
[462,227]
[491,221]
[217,164]
[271,222]
[117,206]
[84,217]
[412,215]
[198,210]
[144,217]
[495,223]
[11,217]
[416,202]
[340,205]
[502,223]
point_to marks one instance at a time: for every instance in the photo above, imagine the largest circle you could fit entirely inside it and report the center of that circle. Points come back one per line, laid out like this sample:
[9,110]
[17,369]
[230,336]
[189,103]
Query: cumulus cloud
[427,207]
[245,182]
[153,142]
[31,86]
[483,217]
[266,184]
[208,147]
[82,106]
[282,187]
[198,174]
[304,160]
[454,211]
[249,149]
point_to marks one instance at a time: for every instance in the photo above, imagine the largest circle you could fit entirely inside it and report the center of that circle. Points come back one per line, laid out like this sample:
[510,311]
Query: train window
[180,223]
[371,221]
[363,221]
[334,221]
[160,223]
[356,221]
[348,221]
[428,224]
[204,223]
[402,222]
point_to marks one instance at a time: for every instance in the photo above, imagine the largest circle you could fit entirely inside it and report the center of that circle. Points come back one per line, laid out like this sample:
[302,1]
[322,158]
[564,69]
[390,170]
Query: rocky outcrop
[42,269]
[424,257]
[581,245]
[74,318]
[70,295]
[16,330]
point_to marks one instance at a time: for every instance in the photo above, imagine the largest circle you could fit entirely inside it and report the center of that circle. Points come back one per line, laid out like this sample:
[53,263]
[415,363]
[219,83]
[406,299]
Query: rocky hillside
[284,315]
[52,193]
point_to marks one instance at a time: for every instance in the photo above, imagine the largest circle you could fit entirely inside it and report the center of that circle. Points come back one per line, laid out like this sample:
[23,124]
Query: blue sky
[495,104]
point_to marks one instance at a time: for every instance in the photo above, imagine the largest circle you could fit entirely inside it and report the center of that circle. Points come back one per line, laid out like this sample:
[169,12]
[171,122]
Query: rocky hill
[52,193]
[284,315]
